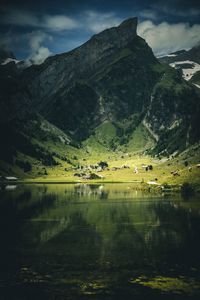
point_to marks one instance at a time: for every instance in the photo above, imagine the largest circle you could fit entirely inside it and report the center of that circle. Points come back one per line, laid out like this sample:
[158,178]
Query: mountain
[25,135]
[110,93]
[182,55]
[188,62]
[88,86]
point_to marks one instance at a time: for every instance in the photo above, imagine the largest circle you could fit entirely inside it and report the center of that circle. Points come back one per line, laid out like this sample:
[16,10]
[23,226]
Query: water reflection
[78,237]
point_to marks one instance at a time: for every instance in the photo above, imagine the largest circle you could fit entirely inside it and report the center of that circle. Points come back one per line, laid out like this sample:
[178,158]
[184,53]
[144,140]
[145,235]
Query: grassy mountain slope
[196,78]
[174,112]
[105,100]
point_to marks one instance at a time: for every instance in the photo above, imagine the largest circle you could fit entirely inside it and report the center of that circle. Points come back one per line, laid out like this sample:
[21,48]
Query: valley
[100,150]
[109,100]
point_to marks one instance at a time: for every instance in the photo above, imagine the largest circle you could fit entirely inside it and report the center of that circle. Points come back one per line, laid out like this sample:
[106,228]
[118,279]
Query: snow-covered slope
[189,68]
[187,61]
[8,60]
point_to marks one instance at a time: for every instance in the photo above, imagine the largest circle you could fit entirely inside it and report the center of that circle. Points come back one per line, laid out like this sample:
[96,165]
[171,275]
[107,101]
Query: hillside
[188,62]
[109,96]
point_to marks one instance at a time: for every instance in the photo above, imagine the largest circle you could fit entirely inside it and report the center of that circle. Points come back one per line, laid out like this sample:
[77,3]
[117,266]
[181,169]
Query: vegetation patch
[175,285]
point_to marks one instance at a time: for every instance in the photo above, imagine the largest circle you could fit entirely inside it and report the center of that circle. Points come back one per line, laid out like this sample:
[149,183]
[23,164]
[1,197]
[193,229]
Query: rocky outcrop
[61,70]
[114,66]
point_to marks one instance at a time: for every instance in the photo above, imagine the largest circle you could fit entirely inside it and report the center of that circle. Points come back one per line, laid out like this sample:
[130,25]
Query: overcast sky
[37,29]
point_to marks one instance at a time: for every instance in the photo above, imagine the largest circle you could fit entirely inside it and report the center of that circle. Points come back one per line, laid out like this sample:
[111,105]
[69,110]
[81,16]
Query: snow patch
[8,60]
[187,72]
[167,55]
[197,85]
[171,55]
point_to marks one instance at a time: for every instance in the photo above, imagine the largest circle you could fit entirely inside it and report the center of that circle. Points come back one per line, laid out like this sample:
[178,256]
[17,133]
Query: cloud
[39,56]
[188,13]
[96,21]
[38,53]
[90,20]
[50,22]
[178,12]
[19,18]
[59,22]
[176,9]
[36,38]
[34,45]
[165,38]
[148,14]
[35,31]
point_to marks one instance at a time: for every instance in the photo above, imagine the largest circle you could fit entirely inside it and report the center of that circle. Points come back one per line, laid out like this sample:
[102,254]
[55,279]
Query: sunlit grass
[177,285]
[161,172]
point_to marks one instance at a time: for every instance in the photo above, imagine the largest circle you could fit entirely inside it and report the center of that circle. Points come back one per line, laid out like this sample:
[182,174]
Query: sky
[34,30]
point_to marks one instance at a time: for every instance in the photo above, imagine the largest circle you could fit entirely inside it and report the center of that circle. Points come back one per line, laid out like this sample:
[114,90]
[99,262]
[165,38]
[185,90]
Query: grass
[140,139]
[169,284]
[102,139]
[161,170]
[101,147]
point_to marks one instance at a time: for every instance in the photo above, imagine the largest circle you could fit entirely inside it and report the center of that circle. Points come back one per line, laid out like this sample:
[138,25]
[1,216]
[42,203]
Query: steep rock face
[115,77]
[77,108]
[115,65]
[62,70]
[111,84]
[174,112]
[22,129]
[14,97]
[126,83]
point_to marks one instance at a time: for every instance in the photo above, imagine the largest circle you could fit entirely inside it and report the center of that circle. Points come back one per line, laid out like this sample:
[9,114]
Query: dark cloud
[62,25]
[72,6]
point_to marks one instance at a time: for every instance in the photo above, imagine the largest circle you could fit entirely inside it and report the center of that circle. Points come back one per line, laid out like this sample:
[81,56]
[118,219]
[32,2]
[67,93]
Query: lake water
[97,242]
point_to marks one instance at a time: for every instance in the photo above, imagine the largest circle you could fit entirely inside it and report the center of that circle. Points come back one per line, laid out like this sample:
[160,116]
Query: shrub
[103,164]
[166,185]
[187,189]
[25,165]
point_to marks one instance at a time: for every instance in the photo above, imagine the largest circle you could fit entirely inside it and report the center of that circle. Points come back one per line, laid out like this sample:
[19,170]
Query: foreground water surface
[97,242]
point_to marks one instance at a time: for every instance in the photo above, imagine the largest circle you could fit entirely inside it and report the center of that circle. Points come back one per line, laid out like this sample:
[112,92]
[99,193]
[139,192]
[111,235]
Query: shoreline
[137,185]
[68,182]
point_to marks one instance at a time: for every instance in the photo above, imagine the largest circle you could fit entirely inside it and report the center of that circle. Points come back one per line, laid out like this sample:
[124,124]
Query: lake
[97,242]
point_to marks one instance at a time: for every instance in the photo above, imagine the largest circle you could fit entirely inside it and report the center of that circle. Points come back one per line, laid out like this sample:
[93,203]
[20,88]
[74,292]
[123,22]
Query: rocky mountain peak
[129,24]
[84,61]
[117,36]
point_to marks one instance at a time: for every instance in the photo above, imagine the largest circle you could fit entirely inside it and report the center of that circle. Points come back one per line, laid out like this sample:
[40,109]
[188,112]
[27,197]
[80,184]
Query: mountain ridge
[188,62]
[111,85]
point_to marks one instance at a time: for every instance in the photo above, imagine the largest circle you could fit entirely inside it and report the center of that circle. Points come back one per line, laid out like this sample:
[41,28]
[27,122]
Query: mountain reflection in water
[98,242]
